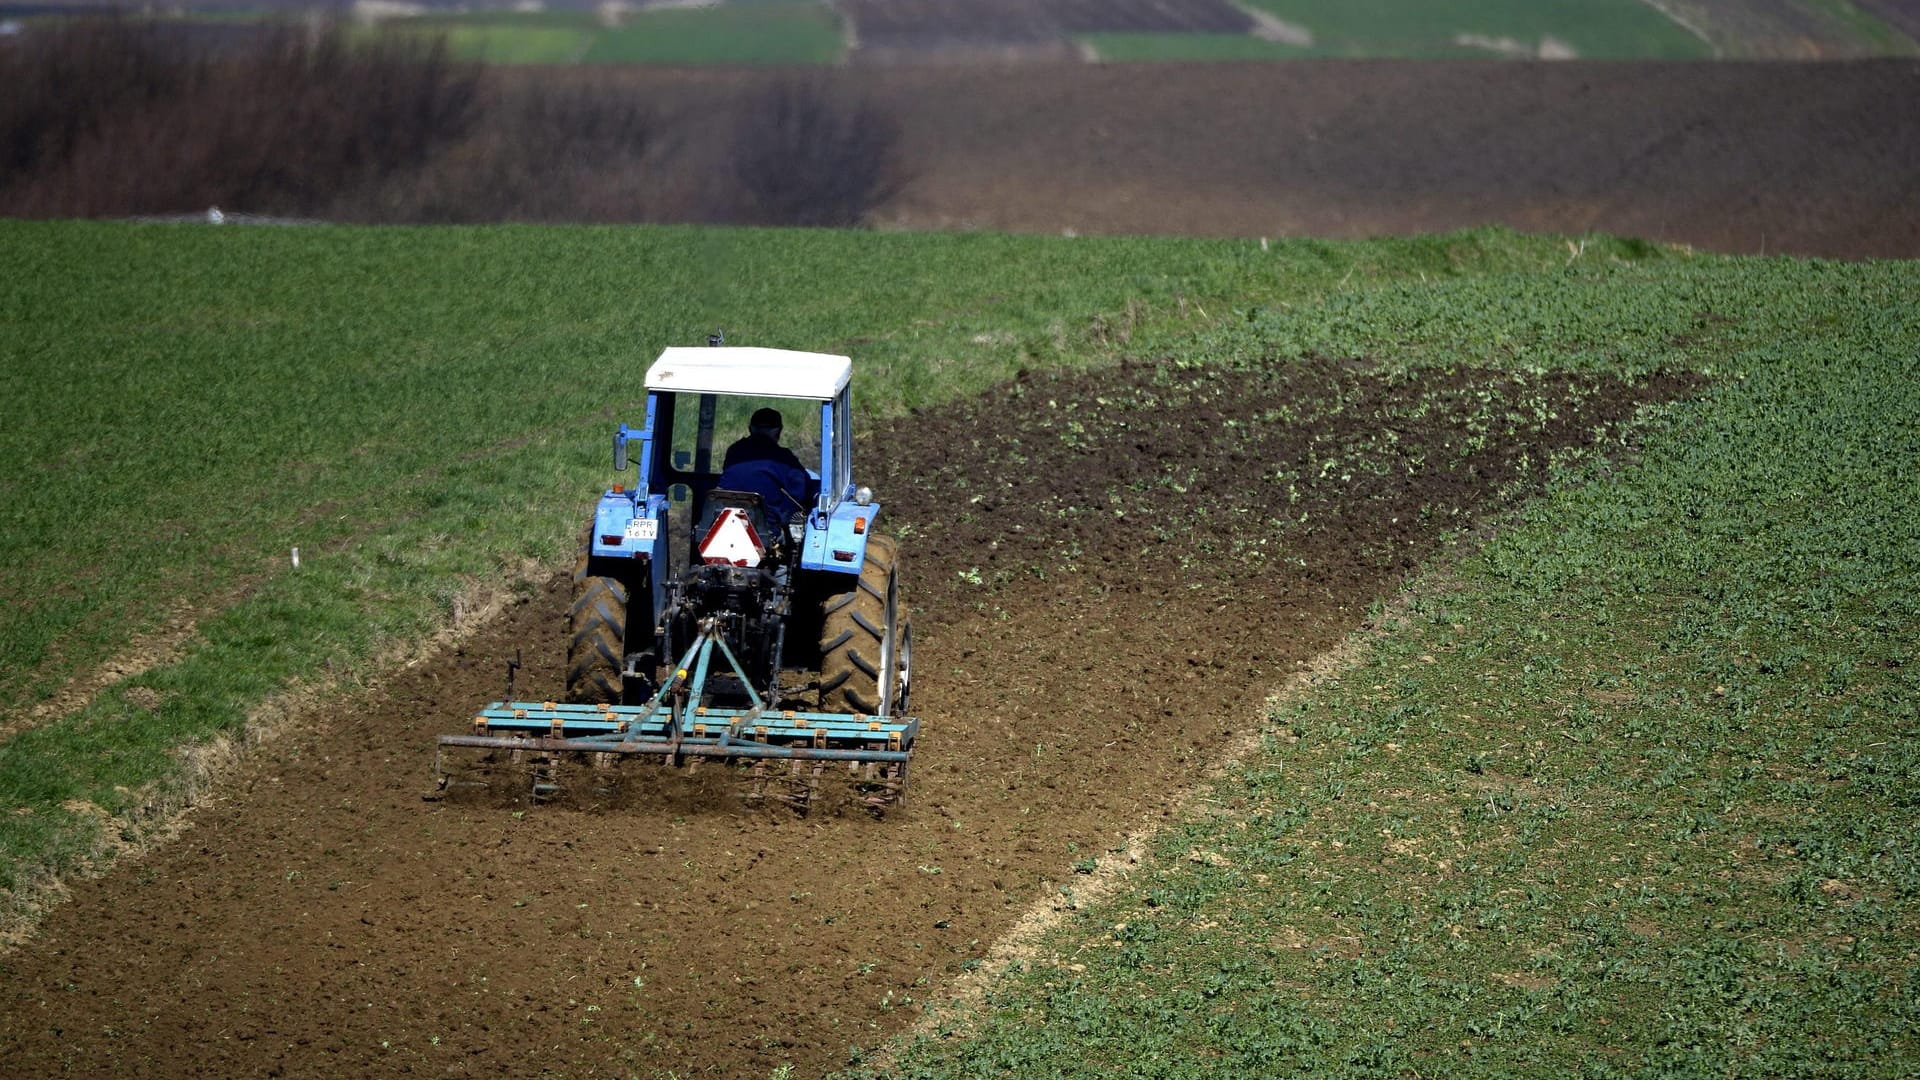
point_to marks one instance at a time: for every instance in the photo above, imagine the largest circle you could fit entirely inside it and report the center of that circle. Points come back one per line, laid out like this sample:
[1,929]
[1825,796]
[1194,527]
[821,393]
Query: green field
[1414,29]
[1626,789]
[1175,48]
[768,32]
[529,39]
[1864,27]
[759,32]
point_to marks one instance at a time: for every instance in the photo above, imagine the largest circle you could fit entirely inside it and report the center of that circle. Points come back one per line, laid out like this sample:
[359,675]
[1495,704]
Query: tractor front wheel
[862,629]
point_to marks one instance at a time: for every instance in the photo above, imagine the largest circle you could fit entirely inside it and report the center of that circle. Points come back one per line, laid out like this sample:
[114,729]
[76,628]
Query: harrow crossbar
[702,732]
[687,747]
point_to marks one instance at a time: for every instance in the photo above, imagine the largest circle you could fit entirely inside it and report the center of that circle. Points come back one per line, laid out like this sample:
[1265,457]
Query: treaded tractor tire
[596,636]
[856,646]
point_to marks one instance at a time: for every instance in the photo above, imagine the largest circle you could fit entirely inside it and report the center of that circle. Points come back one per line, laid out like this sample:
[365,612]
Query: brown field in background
[1811,159]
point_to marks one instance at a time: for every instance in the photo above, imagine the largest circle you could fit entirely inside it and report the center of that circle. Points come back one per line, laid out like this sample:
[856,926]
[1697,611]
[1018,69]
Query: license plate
[643,529]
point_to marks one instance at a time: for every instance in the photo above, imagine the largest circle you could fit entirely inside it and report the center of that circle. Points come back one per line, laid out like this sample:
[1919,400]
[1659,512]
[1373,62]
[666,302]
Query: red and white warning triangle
[732,540]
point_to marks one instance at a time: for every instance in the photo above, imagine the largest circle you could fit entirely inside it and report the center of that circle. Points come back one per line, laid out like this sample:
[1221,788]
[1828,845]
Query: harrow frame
[678,726]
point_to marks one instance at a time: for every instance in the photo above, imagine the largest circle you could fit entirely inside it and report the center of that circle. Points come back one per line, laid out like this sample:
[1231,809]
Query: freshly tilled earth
[1108,572]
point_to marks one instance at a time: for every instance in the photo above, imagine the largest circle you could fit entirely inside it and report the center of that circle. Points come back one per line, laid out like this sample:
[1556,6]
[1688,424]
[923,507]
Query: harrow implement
[787,753]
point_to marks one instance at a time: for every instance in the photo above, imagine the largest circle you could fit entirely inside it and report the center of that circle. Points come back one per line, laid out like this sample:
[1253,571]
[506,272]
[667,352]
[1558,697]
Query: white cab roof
[727,369]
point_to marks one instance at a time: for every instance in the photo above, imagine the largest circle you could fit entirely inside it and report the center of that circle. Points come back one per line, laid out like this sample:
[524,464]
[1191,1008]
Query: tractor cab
[701,404]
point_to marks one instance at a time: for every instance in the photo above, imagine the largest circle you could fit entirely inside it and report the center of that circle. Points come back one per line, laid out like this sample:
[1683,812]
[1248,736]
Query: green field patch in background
[504,43]
[1864,27]
[1416,29]
[1628,791]
[765,32]
[1137,47]
[796,32]
[498,37]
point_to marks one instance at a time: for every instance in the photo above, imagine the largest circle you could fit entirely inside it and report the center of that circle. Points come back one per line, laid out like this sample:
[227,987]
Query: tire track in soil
[1144,576]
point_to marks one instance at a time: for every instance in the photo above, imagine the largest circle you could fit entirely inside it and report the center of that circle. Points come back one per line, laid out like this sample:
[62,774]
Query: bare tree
[802,157]
[120,116]
[536,152]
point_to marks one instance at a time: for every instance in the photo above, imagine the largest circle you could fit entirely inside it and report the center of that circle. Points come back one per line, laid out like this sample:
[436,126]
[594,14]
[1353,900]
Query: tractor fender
[837,541]
[626,528]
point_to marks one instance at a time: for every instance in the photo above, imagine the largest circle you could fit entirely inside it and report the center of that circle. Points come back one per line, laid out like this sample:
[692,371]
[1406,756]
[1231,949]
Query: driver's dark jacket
[762,466]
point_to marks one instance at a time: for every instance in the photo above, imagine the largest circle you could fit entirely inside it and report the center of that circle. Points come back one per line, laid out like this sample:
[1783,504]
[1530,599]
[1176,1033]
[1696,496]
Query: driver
[759,464]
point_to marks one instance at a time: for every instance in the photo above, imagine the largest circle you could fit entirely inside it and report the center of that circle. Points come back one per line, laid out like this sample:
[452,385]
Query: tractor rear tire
[596,636]
[859,636]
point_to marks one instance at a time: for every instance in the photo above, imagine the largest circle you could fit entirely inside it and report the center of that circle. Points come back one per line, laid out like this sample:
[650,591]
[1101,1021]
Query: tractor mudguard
[625,529]
[839,543]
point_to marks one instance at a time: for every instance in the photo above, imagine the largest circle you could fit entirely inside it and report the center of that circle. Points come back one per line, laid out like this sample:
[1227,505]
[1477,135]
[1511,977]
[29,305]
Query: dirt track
[1108,573]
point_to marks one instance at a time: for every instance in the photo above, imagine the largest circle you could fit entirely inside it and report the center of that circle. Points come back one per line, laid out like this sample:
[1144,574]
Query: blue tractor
[735,605]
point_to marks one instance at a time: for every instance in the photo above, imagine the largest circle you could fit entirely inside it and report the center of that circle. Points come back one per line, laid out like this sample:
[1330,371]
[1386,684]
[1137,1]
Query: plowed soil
[1108,572]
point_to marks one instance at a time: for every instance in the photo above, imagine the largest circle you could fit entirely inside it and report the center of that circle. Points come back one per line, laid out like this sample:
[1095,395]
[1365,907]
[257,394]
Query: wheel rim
[906,667]
[887,647]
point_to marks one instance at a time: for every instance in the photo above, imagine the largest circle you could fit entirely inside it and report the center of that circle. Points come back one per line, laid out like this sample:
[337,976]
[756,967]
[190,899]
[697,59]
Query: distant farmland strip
[1902,15]
[934,24]
[770,32]
[1413,28]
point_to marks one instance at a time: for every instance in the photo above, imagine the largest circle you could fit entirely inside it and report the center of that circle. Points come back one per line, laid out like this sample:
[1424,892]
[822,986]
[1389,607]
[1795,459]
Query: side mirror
[620,449]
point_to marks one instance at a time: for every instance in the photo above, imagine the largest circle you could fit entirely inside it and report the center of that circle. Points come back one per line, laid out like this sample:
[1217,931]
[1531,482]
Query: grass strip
[1627,791]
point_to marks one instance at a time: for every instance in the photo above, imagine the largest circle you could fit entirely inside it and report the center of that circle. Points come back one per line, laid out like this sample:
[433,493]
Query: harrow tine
[454,778]
[542,775]
[546,785]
